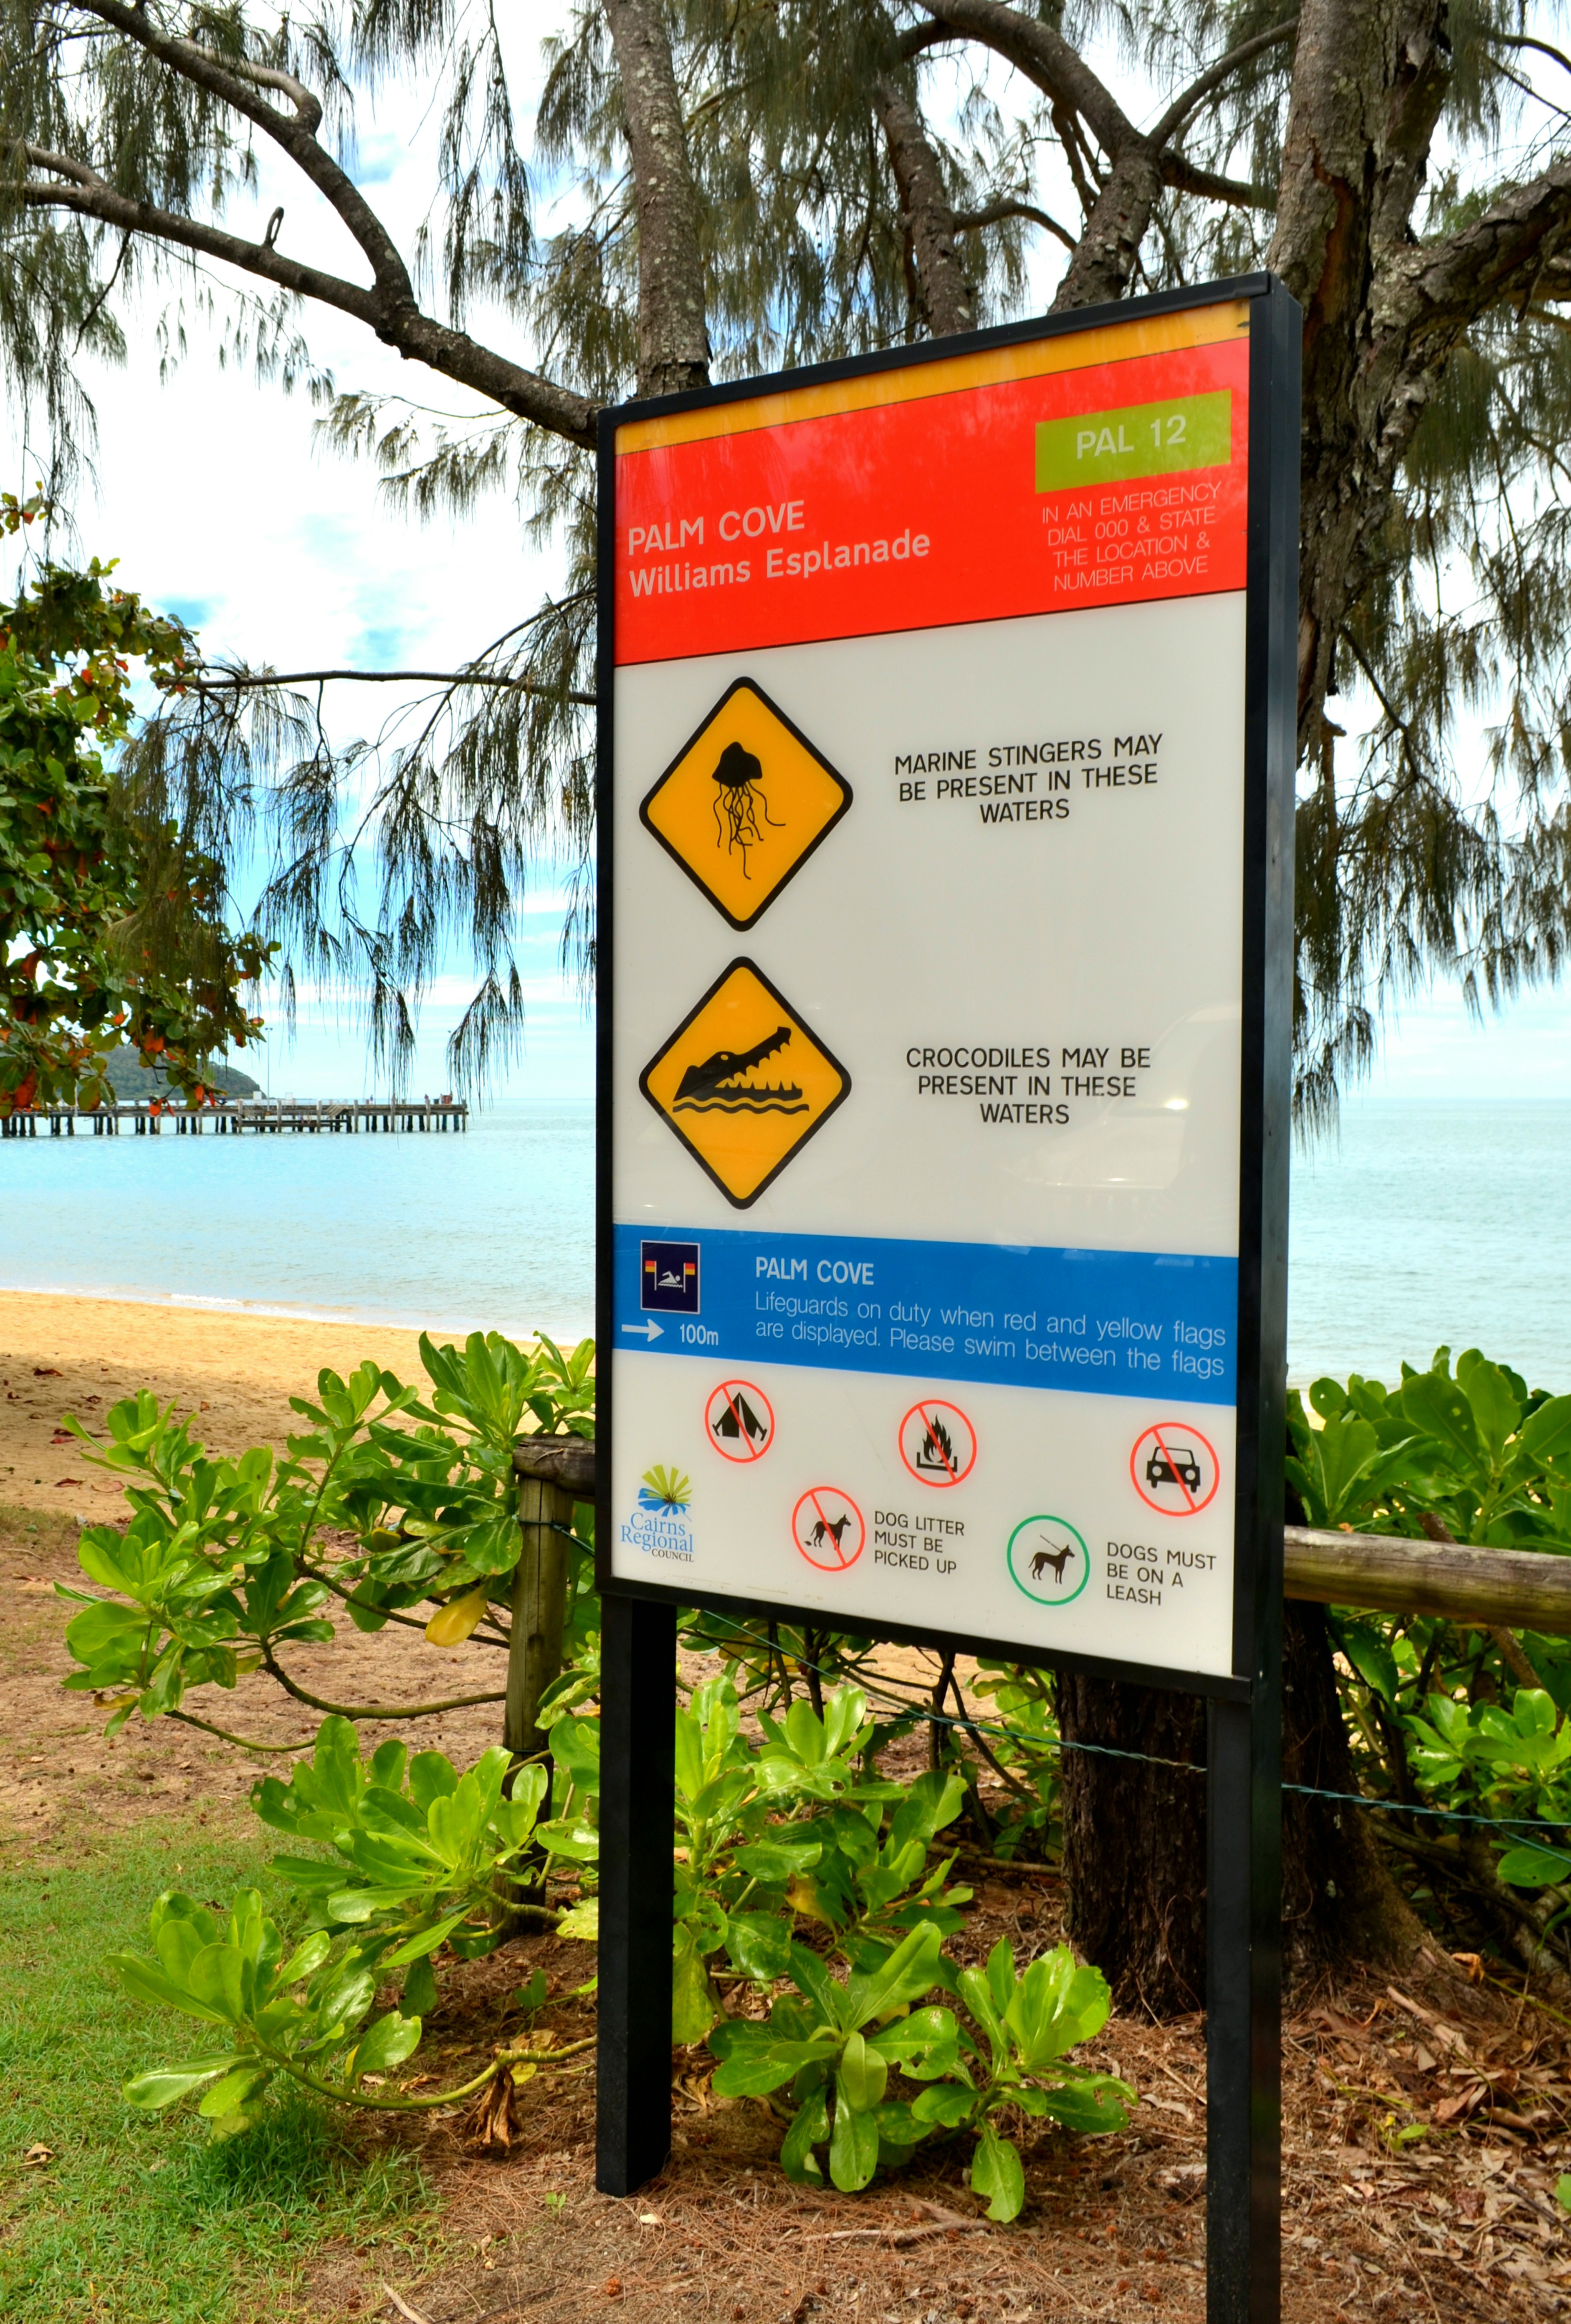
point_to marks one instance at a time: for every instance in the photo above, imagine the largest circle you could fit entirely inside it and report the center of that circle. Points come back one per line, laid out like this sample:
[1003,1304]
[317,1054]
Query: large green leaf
[779,1858]
[1547,1433]
[693,2005]
[387,2044]
[1433,1402]
[1496,1409]
[760,1944]
[1055,2005]
[910,1970]
[246,2081]
[424,1942]
[997,2172]
[754,2060]
[947,2104]
[852,2145]
[862,2075]
[145,1983]
[1091,2107]
[1530,1865]
[165,2084]
[809,2127]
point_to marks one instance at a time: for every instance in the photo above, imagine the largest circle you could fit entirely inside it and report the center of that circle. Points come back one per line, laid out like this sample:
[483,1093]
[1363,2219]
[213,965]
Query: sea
[1423,1223]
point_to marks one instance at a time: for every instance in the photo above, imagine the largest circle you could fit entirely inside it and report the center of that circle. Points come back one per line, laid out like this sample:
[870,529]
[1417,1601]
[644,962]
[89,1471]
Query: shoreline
[348,1319]
[233,1369]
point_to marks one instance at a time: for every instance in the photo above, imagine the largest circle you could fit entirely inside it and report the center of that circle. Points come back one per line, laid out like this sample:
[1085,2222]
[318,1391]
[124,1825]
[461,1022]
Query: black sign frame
[1244,1796]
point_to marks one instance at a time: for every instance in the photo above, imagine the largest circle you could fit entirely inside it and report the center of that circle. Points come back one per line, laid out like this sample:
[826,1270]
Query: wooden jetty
[230,1117]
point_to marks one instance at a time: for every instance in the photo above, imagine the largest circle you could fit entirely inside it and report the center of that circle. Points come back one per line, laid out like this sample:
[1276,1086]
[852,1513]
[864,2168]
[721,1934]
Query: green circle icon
[1049,1560]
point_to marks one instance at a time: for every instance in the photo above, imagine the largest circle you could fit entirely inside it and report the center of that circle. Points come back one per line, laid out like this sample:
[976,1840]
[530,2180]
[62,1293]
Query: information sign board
[943,976]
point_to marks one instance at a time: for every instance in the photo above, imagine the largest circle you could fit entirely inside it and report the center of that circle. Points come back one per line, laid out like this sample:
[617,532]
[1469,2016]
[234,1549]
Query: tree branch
[372,1709]
[968,221]
[389,307]
[1119,210]
[1519,251]
[1525,40]
[1190,100]
[222,681]
[1045,58]
[1188,179]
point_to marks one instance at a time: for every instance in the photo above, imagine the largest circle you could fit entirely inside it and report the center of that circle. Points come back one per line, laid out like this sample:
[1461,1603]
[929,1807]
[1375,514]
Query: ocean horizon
[1420,1223]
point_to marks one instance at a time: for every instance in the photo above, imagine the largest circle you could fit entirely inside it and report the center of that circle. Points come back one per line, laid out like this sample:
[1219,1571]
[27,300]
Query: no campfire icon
[938,1442]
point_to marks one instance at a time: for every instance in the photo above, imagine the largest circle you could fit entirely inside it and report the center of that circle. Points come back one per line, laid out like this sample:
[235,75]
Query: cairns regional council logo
[657,1523]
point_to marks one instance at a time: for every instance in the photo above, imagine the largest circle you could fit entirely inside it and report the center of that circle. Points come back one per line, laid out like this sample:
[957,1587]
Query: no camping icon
[739,1420]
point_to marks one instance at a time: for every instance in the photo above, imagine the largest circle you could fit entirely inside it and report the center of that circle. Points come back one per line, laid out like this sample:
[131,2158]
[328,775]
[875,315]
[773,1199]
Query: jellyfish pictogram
[740,802]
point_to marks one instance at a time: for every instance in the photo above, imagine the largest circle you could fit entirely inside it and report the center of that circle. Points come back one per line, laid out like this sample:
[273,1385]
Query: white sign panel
[925,895]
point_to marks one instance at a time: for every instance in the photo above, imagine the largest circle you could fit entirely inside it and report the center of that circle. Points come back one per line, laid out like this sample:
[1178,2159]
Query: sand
[235,1373]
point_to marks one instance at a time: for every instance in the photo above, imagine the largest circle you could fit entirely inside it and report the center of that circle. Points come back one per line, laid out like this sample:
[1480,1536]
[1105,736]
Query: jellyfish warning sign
[943,759]
[744,803]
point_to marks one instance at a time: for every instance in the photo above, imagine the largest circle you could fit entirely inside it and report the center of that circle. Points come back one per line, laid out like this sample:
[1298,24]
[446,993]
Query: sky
[222,511]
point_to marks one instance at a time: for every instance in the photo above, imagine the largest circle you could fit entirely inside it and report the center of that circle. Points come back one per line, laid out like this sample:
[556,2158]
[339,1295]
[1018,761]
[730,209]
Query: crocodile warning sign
[744,1083]
[744,803]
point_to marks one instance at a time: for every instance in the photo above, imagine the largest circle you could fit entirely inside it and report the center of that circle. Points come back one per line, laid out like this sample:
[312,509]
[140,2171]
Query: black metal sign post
[711,1055]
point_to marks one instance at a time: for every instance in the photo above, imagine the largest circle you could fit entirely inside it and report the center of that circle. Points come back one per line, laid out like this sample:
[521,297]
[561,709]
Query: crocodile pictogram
[716,1083]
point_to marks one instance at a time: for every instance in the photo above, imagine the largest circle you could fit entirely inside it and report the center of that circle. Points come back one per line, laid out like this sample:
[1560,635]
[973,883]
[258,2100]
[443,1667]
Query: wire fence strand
[1517,1828]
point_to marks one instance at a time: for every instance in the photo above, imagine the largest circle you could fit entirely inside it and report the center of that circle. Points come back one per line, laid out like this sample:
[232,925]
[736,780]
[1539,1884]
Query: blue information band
[1098,1323]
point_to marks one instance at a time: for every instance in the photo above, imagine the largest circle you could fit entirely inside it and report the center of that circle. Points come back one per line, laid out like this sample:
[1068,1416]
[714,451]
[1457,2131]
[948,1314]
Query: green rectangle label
[1139,440]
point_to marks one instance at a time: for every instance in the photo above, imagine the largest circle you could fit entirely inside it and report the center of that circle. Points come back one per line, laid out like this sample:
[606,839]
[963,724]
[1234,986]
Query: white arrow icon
[650,1330]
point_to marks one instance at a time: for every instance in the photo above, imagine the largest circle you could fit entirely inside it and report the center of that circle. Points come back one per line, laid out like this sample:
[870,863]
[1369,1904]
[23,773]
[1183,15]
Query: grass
[138,2220]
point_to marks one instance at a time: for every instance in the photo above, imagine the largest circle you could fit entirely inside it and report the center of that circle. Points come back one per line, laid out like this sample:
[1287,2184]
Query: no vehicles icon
[1175,1469]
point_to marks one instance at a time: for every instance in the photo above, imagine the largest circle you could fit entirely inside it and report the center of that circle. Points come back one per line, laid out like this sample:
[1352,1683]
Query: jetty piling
[267,1117]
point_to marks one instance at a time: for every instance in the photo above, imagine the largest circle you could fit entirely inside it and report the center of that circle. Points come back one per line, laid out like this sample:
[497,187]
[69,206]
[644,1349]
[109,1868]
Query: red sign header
[1100,468]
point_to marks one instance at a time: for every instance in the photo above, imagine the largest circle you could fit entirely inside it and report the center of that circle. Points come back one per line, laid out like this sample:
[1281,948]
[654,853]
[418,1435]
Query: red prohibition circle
[1170,1462]
[739,1421]
[951,1466]
[822,1537]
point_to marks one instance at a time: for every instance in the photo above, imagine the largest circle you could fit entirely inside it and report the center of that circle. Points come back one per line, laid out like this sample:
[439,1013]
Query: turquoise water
[1425,1222]
[1433,1222]
[492,1229]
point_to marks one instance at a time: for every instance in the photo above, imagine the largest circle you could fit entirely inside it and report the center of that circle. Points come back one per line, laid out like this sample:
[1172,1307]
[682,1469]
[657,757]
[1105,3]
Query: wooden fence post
[552,1472]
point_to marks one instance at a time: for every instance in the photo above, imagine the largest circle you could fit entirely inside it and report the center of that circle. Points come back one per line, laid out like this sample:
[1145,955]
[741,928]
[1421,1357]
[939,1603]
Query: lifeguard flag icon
[744,803]
[668,1276]
[743,1083]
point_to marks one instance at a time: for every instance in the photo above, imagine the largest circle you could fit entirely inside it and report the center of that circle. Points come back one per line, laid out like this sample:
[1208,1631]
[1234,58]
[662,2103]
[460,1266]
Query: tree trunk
[674,338]
[1134,1836]
[1135,1841]
[941,294]
[1339,1902]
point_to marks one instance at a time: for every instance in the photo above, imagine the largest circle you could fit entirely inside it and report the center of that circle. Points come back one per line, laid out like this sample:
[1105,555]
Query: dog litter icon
[828,1528]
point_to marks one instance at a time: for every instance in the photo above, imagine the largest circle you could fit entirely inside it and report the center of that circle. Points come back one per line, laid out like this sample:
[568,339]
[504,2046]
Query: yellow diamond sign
[744,803]
[744,1083]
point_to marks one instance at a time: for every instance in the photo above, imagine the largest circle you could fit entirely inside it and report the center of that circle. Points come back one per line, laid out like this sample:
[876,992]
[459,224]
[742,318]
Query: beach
[235,1372]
